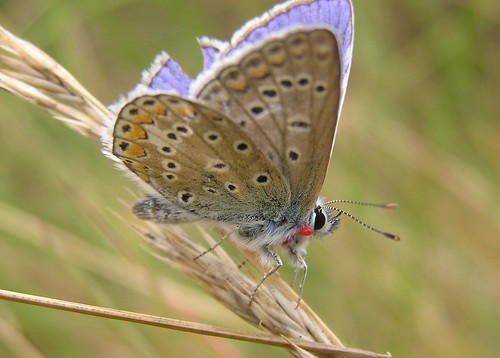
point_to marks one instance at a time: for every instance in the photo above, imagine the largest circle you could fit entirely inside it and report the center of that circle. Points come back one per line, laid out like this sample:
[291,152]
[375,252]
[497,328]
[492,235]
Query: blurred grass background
[419,127]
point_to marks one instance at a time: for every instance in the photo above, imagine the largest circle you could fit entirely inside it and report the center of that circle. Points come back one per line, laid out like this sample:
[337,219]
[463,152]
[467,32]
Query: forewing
[198,159]
[285,93]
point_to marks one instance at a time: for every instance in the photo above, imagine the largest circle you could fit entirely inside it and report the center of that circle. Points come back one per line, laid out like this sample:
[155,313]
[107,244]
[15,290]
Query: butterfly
[246,143]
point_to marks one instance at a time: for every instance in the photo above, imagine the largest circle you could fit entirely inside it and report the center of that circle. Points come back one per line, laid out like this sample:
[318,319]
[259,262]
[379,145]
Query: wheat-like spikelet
[29,73]
[32,75]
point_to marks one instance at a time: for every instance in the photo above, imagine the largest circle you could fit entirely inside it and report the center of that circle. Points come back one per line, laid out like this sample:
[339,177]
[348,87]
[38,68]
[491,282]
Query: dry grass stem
[32,75]
[29,73]
[302,347]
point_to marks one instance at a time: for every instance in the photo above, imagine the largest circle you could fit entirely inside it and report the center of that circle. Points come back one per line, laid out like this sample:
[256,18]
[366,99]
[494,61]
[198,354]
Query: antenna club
[391,205]
[392,236]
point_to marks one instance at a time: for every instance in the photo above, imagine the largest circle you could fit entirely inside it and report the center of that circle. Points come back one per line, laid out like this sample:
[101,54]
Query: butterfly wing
[281,80]
[198,159]
[285,93]
[296,60]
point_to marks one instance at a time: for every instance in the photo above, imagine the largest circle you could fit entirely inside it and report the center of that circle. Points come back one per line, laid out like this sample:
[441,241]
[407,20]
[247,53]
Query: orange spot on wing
[259,72]
[239,84]
[135,133]
[142,118]
[134,151]
[278,58]
[143,176]
[159,109]
[185,110]
[140,167]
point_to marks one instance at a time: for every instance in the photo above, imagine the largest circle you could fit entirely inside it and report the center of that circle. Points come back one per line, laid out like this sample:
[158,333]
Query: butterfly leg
[278,263]
[301,266]
[295,276]
[213,247]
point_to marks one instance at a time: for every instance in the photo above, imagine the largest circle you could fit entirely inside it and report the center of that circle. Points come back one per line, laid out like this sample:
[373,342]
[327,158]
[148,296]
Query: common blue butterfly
[246,143]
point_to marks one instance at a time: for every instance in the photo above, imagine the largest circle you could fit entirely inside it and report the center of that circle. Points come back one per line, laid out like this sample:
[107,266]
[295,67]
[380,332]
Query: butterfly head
[321,221]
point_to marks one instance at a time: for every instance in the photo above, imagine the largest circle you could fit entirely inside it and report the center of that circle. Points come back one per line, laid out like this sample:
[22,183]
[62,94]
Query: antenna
[384,206]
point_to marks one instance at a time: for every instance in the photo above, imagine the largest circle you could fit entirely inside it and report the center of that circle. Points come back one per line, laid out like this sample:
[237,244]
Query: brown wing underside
[285,95]
[198,159]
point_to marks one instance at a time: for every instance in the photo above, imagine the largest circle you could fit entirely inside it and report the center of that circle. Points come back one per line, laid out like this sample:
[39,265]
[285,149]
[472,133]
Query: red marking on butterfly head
[306,231]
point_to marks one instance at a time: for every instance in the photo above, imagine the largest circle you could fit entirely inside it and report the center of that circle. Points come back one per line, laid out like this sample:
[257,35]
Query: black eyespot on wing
[185,197]
[286,83]
[299,124]
[257,110]
[212,137]
[293,155]
[242,146]
[303,82]
[234,74]
[269,93]
[262,179]
[320,88]
[123,146]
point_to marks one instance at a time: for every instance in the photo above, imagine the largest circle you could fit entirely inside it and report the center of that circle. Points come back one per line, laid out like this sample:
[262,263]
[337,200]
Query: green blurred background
[419,127]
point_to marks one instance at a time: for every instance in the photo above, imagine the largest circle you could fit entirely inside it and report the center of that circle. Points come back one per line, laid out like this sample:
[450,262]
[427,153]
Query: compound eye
[319,218]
